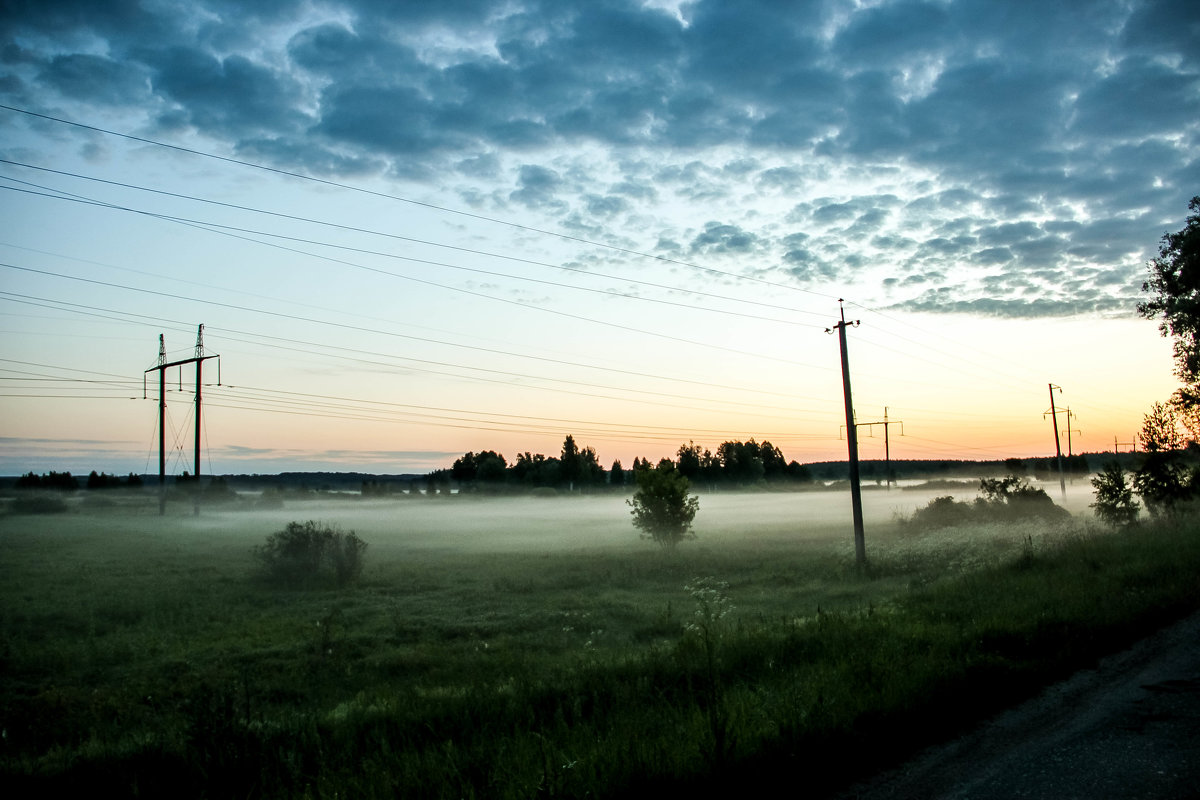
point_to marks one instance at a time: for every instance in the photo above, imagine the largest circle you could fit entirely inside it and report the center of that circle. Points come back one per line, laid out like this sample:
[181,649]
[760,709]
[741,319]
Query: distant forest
[734,465]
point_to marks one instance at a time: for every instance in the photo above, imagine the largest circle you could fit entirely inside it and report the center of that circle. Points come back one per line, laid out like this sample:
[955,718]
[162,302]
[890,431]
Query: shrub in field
[1012,498]
[1008,499]
[308,554]
[1114,496]
[38,504]
[662,509]
[941,512]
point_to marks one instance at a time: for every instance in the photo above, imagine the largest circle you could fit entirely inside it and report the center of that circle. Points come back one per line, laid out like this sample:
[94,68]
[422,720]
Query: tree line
[734,464]
[65,481]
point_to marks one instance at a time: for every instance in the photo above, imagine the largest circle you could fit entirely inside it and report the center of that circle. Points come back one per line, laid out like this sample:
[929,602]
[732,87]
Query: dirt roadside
[1129,728]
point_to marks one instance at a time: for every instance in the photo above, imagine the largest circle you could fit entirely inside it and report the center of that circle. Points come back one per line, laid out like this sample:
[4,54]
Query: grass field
[510,648]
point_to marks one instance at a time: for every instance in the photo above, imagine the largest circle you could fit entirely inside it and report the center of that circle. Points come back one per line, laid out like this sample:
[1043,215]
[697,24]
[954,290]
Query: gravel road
[1130,728]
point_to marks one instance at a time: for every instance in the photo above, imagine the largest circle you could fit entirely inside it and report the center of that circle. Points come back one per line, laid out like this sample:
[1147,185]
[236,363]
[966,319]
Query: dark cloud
[233,95]
[537,188]
[95,79]
[1142,98]
[1009,136]
[719,239]
[894,32]
[1165,26]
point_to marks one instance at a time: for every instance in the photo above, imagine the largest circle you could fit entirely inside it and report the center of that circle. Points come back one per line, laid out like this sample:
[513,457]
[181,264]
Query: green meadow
[502,648]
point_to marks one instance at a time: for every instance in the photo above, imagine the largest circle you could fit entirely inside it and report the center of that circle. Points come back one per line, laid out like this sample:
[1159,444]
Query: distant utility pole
[198,359]
[1118,445]
[1053,412]
[1070,414]
[887,448]
[860,546]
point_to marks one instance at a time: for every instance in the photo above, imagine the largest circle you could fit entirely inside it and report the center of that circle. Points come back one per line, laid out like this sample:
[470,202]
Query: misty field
[518,648]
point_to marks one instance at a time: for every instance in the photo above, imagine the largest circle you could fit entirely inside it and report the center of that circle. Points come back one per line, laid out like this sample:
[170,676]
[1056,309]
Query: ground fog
[501,524]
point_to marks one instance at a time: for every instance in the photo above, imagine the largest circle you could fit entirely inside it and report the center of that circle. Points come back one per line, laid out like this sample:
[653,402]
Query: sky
[416,229]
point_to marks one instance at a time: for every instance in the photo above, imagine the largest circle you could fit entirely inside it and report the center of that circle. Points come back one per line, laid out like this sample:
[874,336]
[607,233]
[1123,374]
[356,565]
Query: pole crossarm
[181,362]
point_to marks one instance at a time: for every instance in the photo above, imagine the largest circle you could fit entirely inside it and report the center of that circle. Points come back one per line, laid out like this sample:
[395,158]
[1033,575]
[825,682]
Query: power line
[225,230]
[459,248]
[489,351]
[431,206]
[216,227]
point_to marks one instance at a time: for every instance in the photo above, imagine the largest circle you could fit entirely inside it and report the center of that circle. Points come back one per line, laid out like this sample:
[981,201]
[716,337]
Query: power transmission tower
[1053,412]
[162,366]
[860,546]
[887,447]
[1118,445]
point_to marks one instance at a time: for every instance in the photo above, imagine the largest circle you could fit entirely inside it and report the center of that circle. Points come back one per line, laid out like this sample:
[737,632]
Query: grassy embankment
[140,654]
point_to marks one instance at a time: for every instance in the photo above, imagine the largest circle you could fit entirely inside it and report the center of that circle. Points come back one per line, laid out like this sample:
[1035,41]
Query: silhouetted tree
[740,462]
[464,468]
[1162,481]
[1160,429]
[774,465]
[1174,282]
[490,467]
[616,475]
[798,472]
[63,481]
[1114,496]
[662,509]
[570,464]
[688,460]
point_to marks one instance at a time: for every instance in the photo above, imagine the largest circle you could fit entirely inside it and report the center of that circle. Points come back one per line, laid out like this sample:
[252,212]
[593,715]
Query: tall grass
[147,661]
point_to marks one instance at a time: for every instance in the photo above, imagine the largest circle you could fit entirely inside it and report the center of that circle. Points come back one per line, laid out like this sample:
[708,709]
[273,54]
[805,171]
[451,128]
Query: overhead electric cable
[256,336]
[423,204]
[413,240]
[527,306]
[361,329]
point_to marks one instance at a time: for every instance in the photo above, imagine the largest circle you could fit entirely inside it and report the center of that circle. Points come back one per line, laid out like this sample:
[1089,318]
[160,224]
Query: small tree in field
[662,509]
[1114,496]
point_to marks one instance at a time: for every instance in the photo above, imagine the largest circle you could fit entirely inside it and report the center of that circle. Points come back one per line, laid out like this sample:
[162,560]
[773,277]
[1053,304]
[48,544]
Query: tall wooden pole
[1062,481]
[860,546]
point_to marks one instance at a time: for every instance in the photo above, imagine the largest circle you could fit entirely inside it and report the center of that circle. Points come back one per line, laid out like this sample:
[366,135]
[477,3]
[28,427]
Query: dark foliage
[1174,286]
[39,504]
[307,554]
[1164,483]
[662,509]
[1114,496]
[62,481]
[1007,499]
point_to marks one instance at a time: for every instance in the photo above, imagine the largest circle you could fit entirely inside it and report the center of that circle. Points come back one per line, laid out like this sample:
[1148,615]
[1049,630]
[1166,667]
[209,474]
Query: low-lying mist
[484,523]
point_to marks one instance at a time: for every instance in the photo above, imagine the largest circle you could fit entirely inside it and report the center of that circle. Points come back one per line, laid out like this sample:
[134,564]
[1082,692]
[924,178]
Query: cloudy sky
[413,229]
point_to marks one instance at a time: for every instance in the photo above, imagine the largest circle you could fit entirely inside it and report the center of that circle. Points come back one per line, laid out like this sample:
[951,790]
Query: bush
[941,512]
[662,509]
[39,504]
[307,554]
[1114,496]
[1008,499]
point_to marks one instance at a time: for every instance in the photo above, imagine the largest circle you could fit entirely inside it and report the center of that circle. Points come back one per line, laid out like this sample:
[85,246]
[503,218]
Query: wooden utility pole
[1070,414]
[162,366]
[860,547]
[1053,412]
[887,447]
